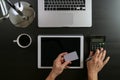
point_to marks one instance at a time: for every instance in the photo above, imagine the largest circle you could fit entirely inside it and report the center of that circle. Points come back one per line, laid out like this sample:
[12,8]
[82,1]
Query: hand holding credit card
[71,56]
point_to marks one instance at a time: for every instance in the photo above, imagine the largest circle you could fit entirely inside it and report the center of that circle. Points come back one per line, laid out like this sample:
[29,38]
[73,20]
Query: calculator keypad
[95,46]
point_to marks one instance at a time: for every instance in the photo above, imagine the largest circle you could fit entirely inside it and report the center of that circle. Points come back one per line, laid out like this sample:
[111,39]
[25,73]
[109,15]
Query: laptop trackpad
[61,19]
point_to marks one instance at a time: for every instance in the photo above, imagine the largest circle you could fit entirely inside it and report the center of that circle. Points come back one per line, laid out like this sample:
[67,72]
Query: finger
[106,60]
[62,59]
[89,58]
[70,62]
[66,63]
[91,54]
[103,55]
[62,54]
[66,67]
[101,49]
[97,53]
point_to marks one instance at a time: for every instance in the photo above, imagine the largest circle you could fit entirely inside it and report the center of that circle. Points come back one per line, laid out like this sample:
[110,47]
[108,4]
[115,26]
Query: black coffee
[24,40]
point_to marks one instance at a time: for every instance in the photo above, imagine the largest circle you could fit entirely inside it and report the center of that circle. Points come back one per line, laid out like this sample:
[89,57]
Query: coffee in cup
[23,40]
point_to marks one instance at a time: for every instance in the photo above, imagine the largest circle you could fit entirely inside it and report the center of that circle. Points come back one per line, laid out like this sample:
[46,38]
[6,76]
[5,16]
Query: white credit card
[71,56]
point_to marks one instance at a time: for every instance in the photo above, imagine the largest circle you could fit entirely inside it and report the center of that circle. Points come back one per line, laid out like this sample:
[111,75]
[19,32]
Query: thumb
[91,54]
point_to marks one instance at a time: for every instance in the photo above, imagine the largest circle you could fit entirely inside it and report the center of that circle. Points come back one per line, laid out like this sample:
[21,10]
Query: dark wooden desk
[21,64]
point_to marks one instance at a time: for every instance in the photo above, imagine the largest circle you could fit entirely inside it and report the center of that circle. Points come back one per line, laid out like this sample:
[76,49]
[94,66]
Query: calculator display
[97,40]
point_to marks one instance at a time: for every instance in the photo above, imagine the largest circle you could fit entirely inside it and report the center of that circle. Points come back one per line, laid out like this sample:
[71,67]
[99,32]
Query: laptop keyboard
[61,5]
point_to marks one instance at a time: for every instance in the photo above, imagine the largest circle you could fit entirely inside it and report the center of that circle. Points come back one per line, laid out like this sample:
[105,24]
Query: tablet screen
[49,47]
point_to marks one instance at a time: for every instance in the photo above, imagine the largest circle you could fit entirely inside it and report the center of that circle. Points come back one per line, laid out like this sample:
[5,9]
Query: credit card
[71,56]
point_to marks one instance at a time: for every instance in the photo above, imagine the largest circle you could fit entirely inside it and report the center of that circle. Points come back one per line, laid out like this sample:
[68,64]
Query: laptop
[50,46]
[64,13]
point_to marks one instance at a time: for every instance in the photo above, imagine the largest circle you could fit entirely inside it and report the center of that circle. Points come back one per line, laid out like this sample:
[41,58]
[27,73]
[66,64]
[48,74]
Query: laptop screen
[49,47]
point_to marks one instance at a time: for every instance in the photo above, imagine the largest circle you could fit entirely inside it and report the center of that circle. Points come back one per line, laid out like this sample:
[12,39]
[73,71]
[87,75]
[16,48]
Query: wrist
[51,76]
[54,74]
[92,75]
[92,72]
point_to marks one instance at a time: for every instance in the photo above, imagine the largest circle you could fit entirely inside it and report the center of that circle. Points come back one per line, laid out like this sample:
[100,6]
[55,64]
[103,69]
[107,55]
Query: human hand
[97,61]
[58,66]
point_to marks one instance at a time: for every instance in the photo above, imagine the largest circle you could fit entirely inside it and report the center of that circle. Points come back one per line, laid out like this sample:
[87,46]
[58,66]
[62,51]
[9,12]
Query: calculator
[97,42]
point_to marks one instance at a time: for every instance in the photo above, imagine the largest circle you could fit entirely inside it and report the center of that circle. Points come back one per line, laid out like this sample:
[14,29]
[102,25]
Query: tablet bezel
[58,36]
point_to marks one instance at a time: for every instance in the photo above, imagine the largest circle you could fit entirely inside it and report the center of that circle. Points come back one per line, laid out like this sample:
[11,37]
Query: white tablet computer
[50,46]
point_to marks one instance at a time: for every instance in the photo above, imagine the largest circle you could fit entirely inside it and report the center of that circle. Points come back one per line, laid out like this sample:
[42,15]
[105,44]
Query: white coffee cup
[23,40]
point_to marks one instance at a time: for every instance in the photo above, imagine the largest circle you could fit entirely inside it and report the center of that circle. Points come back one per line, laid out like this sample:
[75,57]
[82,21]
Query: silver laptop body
[64,13]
